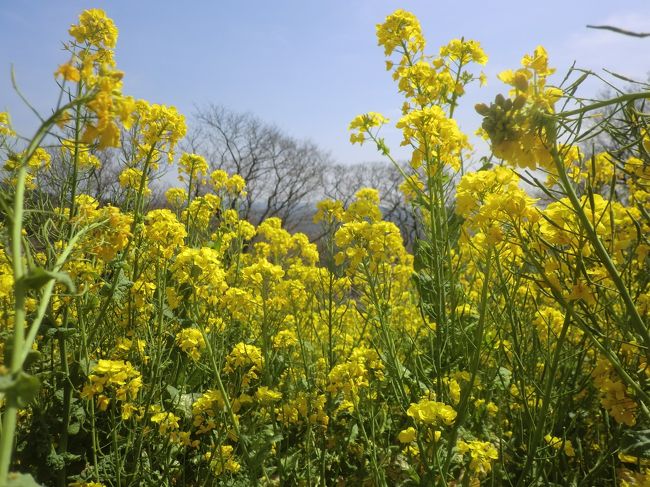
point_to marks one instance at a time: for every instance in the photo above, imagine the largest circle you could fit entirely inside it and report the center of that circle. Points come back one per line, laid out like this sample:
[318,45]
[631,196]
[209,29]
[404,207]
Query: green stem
[11,412]
[540,423]
[602,104]
[17,355]
[635,318]
[463,407]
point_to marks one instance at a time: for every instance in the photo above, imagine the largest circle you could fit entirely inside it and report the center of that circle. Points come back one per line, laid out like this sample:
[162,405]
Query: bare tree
[283,175]
[100,182]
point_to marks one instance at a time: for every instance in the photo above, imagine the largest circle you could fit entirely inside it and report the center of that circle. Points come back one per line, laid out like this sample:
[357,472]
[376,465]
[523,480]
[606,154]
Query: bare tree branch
[283,175]
[618,30]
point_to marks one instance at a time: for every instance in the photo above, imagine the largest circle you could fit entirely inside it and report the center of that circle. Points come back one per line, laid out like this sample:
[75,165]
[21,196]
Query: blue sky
[308,66]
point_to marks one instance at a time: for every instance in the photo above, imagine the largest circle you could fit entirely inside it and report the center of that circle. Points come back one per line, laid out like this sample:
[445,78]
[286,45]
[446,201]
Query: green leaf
[74,428]
[354,433]
[172,392]
[16,479]
[22,389]
[38,277]
[636,443]
[503,378]
[33,356]
[27,387]
[119,289]
[6,383]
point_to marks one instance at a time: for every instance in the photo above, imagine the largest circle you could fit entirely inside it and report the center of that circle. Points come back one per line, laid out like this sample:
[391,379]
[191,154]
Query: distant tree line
[285,177]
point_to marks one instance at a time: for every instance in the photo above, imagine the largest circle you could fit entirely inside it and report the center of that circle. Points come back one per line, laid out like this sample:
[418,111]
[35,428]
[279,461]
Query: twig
[619,30]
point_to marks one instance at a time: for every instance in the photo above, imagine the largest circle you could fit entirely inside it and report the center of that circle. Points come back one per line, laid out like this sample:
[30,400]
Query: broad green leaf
[16,479]
[38,277]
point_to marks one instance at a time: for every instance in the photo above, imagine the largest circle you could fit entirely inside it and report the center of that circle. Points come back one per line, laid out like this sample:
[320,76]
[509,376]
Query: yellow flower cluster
[266,396]
[432,413]
[96,29]
[201,270]
[205,411]
[164,233]
[614,394]
[401,30]
[40,159]
[482,454]
[112,379]
[514,125]
[357,372]
[430,132]
[363,124]
[167,422]
[247,359]
[234,184]
[133,179]
[304,408]
[191,341]
[559,444]
[160,128]
[5,125]
[431,86]
[192,166]
[490,200]
[92,66]
[223,461]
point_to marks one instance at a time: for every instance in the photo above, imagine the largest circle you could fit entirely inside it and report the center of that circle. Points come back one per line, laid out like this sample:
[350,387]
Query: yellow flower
[236,184]
[160,128]
[95,29]
[328,211]
[5,125]
[482,453]
[559,444]
[284,339]
[468,51]
[361,124]
[224,461]
[408,435]
[164,232]
[176,197]
[191,341]
[205,409]
[538,61]
[219,179]
[266,396]
[248,359]
[202,210]
[116,376]
[432,413]
[166,422]
[401,28]
[430,127]
[68,72]
[193,166]
[131,178]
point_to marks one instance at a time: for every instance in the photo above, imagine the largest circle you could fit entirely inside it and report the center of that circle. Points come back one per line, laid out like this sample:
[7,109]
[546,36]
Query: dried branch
[618,30]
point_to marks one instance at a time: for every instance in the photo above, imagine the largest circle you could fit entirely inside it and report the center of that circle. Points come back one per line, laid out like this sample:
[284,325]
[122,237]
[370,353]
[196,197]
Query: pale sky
[307,66]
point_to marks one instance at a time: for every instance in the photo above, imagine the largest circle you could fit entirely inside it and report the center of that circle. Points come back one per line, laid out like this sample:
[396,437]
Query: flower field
[182,345]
